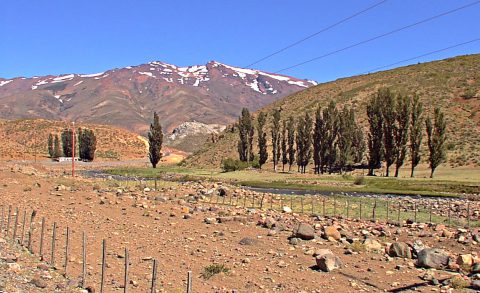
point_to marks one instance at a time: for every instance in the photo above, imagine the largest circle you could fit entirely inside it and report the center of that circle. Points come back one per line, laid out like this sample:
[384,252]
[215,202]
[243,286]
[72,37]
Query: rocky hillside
[22,138]
[453,84]
[127,97]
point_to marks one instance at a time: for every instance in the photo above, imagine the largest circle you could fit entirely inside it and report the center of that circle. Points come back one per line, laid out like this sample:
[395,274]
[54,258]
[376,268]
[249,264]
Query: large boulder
[432,258]
[304,231]
[328,262]
[331,232]
[372,245]
[400,249]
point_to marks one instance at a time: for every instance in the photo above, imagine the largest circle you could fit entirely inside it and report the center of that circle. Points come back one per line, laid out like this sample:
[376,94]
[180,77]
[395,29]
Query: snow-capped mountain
[213,94]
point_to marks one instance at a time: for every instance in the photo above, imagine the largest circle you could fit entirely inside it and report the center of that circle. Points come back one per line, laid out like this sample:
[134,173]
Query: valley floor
[178,226]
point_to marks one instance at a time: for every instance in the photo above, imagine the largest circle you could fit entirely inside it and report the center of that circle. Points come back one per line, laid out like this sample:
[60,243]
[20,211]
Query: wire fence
[451,212]
[53,245]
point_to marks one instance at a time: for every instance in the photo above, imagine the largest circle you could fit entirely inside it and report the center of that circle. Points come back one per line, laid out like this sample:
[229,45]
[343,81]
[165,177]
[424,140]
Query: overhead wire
[380,36]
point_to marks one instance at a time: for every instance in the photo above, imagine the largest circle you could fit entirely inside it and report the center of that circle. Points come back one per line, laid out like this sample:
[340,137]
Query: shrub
[359,180]
[213,269]
[229,165]
[458,282]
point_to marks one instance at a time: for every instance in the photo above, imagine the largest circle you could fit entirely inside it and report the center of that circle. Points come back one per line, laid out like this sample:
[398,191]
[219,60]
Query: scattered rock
[400,249]
[328,262]
[248,241]
[372,245]
[304,232]
[432,258]
[331,231]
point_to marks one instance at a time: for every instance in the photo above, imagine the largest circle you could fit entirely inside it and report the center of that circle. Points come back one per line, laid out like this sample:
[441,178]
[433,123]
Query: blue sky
[62,36]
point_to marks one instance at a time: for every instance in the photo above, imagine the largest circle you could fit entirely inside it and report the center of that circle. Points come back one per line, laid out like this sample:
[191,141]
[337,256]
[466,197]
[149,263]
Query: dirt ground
[178,231]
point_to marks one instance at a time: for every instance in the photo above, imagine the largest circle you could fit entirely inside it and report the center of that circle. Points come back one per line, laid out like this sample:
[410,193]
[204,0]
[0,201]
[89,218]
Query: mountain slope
[453,84]
[21,139]
[127,97]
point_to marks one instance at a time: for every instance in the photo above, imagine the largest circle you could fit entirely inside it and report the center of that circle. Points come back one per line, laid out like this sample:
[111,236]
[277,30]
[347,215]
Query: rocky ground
[226,248]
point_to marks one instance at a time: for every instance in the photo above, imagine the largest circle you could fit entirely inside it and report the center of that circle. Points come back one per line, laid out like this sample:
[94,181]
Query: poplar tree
[389,127]
[291,142]
[304,142]
[436,135]
[330,118]
[245,131]
[284,140]
[57,150]
[67,142]
[401,131]
[276,138]
[318,141]
[50,145]
[375,134]
[346,121]
[155,140]
[262,139]
[416,130]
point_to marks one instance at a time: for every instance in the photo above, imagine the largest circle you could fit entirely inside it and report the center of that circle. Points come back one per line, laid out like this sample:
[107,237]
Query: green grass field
[448,182]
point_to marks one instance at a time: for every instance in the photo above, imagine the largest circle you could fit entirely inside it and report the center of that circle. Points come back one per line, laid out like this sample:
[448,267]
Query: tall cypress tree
[345,138]
[67,142]
[416,131]
[401,134]
[436,135]
[304,142]
[375,134]
[330,118]
[291,142]
[57,150]
[245,131]
[276,138]
[87,144]
[389,127]
[284,139]
[262,139]
[51,152]
[155,140]
[317,139]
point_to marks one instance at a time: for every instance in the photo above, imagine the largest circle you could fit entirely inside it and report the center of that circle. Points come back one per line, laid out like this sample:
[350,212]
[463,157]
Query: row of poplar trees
[336,141]
[396,125]
[331,137]
[86,139]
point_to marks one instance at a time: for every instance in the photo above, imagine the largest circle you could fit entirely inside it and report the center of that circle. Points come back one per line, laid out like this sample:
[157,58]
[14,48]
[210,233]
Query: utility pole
[73,149]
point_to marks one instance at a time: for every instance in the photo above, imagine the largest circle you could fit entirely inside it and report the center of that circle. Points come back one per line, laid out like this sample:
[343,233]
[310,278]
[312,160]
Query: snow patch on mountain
[2,83]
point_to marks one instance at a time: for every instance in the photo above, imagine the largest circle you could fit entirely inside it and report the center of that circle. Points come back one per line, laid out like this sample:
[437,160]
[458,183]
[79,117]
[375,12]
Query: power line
[380,36]
[423,55]
[319,32]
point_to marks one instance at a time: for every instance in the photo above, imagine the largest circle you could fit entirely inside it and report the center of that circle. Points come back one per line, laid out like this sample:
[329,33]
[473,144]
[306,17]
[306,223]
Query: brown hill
[453,84]
[21,139]
[127,97]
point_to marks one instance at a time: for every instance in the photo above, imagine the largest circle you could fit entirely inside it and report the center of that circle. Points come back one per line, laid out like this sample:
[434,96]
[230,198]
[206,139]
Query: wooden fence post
[30,231]
[313,207]
[291,203]
[301,202]
[323,206]
[348,208]
[15,225]
[468,213]
[388,210]
[398,212]
[84,260]
[125,276]
[104,266]
[334,206]
[430,212]
[42,234]
[361,204]
[415,211]
[54,235]
[22,237]
[1,223]
[8,219]
[67,243]
[449,216]
[189,282]
[374,209]
[154,276]
[271,202]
